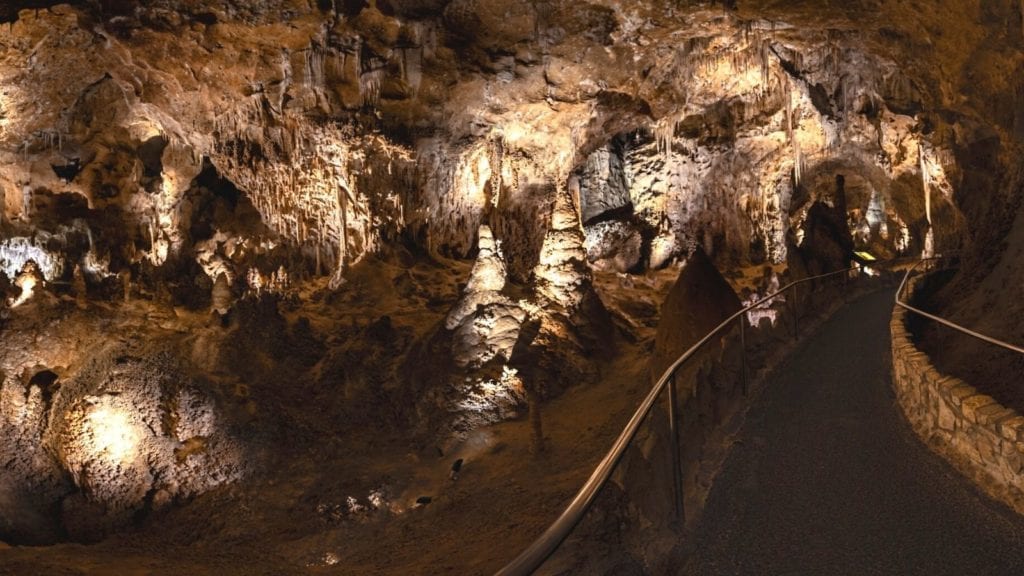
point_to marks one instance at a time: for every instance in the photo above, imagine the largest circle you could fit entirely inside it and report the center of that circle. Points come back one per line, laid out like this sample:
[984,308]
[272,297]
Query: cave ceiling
[346,123]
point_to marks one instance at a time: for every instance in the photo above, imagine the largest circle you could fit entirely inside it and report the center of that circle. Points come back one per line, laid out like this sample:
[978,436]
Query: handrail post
[677,480]
[743,353]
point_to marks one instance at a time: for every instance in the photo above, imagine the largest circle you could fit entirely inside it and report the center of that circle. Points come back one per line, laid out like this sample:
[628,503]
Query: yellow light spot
[27,283]
[113,434]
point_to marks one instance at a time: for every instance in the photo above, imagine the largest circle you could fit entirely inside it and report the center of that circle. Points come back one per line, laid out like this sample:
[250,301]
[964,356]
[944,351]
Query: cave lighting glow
[868,271]
[27,284]
[508,387]
[473,171]
[113,436]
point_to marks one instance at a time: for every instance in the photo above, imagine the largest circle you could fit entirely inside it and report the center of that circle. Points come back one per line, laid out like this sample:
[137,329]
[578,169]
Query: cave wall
[217,150]
[348,130]
[192,152]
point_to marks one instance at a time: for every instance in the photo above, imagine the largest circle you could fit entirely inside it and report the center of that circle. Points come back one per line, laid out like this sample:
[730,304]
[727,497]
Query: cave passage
[826,477]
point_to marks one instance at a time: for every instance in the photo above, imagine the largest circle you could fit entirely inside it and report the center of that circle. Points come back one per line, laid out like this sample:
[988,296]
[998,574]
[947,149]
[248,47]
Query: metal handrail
[945,322]
[544,546]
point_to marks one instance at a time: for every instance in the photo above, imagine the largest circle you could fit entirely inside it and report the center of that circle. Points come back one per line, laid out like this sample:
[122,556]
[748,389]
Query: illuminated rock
[603,185]
[562,274]
[486,323]
[16,252]
[614,246]
[221,296]
[119,436]
[359,150]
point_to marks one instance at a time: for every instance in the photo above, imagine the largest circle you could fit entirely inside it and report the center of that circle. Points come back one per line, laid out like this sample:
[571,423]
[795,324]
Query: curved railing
[943,321]
[544,546]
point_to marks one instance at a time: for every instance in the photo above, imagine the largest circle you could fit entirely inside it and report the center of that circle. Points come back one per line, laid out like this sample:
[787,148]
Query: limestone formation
[414,218]
[485,321]
[563,277]
[120,431]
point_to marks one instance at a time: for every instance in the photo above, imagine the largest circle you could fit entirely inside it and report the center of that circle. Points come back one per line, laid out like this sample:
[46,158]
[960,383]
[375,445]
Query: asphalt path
[828,478]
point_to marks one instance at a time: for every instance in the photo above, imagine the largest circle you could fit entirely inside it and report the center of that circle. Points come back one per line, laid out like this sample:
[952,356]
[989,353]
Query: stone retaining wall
[981,438]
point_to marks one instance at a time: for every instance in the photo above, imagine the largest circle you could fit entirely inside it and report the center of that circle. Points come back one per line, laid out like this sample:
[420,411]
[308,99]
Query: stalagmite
[485,321]
[664,134]
[221,295]
[562,274]
[78,287]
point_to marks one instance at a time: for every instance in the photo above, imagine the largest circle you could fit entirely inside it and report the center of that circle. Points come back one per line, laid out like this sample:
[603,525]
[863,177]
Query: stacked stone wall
[979,436]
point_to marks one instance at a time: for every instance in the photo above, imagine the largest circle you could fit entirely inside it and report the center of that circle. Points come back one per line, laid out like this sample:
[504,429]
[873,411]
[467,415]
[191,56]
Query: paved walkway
[828,479]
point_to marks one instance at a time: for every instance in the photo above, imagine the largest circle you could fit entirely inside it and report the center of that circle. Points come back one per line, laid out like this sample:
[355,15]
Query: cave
[511,287]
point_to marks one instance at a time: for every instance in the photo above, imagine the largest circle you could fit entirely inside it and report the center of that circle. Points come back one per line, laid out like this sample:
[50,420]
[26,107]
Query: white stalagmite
[562,274]
[664,133]
[221,295]
[486,280]
[929,239]
[486,322]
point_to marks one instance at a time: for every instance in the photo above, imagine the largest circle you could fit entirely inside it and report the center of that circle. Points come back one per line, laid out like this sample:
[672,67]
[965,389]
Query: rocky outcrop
[699,301]
[603,183]
[618,246]
[117,438]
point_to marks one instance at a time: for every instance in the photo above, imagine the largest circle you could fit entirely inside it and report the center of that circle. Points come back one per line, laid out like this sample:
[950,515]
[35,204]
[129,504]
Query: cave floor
[826,477]
[292,518]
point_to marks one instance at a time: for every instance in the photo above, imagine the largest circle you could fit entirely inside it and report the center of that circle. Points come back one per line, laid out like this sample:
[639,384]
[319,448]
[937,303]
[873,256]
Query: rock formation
[413,215]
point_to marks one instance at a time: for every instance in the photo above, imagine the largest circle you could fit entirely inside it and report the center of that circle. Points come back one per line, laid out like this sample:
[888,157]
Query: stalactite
[338,278]
[764,55]
[497,164]
[455,184]
[313,71]
[798,163]
[664,134]
[412,67]
[925,183]
[304,190]
[370,85]
[789,109]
